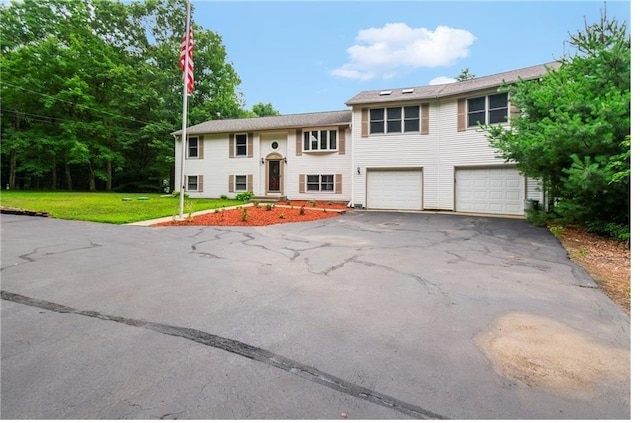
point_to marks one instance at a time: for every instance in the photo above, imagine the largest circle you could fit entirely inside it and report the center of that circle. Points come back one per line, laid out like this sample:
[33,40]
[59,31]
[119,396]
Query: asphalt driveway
[369,315]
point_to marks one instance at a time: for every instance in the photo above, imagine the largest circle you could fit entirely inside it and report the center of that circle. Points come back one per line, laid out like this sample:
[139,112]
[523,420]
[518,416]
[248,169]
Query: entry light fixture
[262,160]
[285,159]
[358,170]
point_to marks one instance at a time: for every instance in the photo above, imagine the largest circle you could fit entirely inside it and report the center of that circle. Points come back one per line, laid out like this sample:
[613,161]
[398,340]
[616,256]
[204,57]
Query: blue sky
[314,56]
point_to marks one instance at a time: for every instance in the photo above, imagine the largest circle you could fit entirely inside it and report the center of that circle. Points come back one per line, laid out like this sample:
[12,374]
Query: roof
[430,92]
[302,120]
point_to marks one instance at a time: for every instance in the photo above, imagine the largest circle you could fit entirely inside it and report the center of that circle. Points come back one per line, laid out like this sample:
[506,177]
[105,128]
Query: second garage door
[398,189]
[491,190]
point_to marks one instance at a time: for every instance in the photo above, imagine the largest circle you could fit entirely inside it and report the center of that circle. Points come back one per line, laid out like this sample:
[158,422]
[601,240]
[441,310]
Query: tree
[264,109]
[93,87]
[465,75]
[573,131]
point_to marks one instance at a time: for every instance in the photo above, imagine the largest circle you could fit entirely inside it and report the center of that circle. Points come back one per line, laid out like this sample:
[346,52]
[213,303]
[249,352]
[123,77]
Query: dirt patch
[258,216]
[606,260]
[545,354]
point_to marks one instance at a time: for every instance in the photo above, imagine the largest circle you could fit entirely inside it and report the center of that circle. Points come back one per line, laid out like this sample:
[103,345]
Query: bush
[616,231]
[244,196]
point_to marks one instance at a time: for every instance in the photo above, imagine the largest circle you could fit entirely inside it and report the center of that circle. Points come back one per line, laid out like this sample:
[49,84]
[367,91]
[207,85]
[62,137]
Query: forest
[92,89]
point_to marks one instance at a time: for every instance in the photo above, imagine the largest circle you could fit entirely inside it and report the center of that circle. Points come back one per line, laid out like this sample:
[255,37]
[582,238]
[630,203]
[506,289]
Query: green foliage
[244,196]
[269,206]
[574,128]
[465,75]
[556,230]
[91,91]
[537,217]
[263,109]
[616,231]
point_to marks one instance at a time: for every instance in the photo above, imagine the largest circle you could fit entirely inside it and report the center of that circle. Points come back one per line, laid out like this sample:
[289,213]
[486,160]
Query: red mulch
[258,216]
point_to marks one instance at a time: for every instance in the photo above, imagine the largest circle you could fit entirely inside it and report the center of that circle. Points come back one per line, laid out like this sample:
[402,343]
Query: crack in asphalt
[245,350]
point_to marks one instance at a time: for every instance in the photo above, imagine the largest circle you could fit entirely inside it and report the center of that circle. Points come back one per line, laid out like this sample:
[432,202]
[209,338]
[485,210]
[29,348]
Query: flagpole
[185,98]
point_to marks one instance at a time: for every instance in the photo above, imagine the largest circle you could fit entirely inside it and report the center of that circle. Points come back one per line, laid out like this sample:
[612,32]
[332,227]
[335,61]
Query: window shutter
[249,182]
[201,147]
[231,184]
[231,146]
[250,144]
[424,119]
[462,114]
[298,142]
[301,183]
[200,183]
[341,141]
[365,122]
[338,183]
[514,111]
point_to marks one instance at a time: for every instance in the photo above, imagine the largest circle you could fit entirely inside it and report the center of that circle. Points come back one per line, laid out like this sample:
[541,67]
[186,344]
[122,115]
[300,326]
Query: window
[322,183]
[394,120]
[492,109]
[194,148]
[241,144]
[192,183]
[241,182]
[321,140]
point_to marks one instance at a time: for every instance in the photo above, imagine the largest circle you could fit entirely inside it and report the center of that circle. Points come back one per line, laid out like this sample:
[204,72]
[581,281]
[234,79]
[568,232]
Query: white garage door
[496,190]
[394,189]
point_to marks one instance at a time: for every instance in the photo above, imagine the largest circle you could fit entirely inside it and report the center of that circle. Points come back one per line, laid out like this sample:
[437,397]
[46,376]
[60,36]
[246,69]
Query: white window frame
[402,119]
[323,179]
[246,144]
[197,148]
[235,183]
[191,178]
[307,141]
[487,110]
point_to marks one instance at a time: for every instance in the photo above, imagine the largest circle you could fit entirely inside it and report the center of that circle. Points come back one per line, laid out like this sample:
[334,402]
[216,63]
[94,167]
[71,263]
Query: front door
[274,176]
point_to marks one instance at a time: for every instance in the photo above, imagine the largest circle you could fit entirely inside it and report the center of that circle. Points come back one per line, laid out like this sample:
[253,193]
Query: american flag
[186,59]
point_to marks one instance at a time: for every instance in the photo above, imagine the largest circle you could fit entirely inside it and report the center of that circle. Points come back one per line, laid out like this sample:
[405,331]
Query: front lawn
[106,207]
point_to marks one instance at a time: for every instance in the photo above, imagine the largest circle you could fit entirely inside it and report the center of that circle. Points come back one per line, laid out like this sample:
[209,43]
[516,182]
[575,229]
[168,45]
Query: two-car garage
[494,190]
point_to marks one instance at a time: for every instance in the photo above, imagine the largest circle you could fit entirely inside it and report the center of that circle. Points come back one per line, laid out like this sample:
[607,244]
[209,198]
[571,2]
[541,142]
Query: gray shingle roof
[303,120]
[430,92]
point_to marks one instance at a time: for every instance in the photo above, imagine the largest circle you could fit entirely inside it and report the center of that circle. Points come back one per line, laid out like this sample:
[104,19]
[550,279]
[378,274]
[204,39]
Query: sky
[314,56]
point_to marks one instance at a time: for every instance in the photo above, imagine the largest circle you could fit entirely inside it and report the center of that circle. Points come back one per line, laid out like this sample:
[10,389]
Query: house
[414,148]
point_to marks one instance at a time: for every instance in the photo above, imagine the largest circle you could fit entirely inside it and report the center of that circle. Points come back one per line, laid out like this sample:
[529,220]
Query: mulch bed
[260,216]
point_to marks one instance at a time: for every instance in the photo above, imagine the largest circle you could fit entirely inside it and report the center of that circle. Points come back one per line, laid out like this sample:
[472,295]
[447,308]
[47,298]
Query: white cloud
[381,52]
[442,80]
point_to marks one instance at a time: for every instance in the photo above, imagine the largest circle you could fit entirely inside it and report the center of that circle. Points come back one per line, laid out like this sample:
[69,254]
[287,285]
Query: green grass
[106,207]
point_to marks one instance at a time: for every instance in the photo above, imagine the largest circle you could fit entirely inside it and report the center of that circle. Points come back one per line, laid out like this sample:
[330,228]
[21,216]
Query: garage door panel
[495,190]
[394,189]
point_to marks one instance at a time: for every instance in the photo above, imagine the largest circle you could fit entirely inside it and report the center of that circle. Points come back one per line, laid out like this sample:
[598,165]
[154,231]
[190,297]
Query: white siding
[329,163]
[437,153]
[216,166]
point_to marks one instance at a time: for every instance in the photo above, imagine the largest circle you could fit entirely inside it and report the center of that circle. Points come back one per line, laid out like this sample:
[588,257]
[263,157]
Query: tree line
[91,90]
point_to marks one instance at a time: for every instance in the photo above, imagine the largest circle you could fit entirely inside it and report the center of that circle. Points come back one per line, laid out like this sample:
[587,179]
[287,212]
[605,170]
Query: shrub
[245,214]
[269,206]
[244,196]
[281,216]
[301,211]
